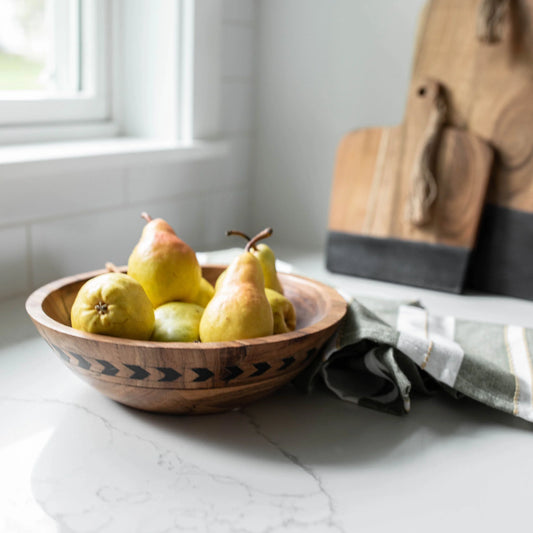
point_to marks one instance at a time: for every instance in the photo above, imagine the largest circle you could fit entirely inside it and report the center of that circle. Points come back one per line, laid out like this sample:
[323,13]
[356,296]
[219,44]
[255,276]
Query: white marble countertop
[73,461]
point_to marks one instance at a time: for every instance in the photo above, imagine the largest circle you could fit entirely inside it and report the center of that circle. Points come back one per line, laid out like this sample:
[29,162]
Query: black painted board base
[431,266]
[502,260]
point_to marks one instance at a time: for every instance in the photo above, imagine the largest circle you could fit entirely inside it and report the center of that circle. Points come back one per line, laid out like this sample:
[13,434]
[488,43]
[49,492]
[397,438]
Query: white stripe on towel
[521,368]
[428,341]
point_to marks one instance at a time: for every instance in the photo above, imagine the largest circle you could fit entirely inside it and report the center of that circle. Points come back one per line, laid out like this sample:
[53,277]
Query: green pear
[267,259]
[177,322]
[164,265]
[239,308]
[282,311]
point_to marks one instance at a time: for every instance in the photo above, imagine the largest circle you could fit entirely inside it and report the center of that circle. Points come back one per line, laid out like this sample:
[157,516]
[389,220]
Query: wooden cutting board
[371,233]
[490,85]
[490,88]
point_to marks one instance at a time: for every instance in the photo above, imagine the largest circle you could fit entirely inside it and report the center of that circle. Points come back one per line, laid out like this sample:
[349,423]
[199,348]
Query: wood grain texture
[490,86]
[188,377]
[373,178]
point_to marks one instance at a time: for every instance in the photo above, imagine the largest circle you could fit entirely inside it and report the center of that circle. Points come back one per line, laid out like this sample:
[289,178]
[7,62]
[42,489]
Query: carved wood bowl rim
[250,352]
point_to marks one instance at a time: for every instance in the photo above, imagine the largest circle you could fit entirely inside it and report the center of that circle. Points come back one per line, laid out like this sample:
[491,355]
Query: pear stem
[267,232]
[146,216]
[240,234]
[236,232]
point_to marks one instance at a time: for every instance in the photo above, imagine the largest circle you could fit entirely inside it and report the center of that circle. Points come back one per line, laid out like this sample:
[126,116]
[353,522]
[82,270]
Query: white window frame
[184,113]
[22,108]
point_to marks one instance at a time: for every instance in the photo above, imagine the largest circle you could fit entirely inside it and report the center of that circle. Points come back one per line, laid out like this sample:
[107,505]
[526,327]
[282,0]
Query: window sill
[59,157]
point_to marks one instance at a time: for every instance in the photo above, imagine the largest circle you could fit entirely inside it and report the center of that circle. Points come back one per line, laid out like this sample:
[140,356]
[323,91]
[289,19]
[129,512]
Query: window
[53,61]
[99,69]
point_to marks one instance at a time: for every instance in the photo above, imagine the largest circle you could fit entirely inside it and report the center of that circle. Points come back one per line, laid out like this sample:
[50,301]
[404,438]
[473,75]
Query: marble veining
[96,475]
[329,521]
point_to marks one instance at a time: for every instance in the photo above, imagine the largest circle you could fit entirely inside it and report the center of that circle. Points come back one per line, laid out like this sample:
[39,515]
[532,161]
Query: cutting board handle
[490,18]
[432,108]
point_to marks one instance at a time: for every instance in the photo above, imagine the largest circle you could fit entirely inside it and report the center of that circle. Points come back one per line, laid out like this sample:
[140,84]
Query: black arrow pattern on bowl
[231,372]
[261,369]
[138,371]
[61,353]
[287,362]
[109,369]
[82,362]
[169,374]
[203,374]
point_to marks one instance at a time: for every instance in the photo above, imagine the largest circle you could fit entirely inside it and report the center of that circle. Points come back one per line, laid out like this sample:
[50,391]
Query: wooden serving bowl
[178,377]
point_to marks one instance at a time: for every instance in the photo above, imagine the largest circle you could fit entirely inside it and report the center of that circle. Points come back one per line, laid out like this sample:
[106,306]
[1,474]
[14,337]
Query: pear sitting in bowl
[267,259]
[205,293]
[177,322]
[239,308]
[282,311]
[164,265]
[113,304]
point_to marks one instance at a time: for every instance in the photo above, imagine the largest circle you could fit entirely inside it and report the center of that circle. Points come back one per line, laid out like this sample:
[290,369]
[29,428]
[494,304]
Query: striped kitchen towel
[385,350]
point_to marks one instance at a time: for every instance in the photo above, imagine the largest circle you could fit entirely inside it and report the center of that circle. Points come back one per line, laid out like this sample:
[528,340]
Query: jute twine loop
[490,18]
[424,188]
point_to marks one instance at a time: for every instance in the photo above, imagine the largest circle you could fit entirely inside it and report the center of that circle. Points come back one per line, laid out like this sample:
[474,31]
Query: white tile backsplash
[186,216]
[237,167]
[32,198]
[186,179]
[80,243]
[237,51]
[236,107]
[239,10]
[147,183]
[227,210]
[14,265]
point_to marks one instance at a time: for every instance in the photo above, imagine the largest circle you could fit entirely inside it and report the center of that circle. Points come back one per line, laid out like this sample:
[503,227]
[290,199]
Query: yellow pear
[177,322]
[239,308]
[113,304]
[205,293]
[218,282]
[268,264]
[282,310]
[267,259]
[164,265]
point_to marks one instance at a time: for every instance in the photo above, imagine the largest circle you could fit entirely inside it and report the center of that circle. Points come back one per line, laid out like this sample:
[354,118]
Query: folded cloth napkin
[384,350]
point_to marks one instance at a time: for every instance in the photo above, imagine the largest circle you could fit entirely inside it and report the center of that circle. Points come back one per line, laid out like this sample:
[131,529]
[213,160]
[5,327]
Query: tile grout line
[120,204]
[57,218]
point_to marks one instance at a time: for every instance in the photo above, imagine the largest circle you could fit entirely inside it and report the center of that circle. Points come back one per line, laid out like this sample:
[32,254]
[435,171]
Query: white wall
[56,225]
[324,67]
